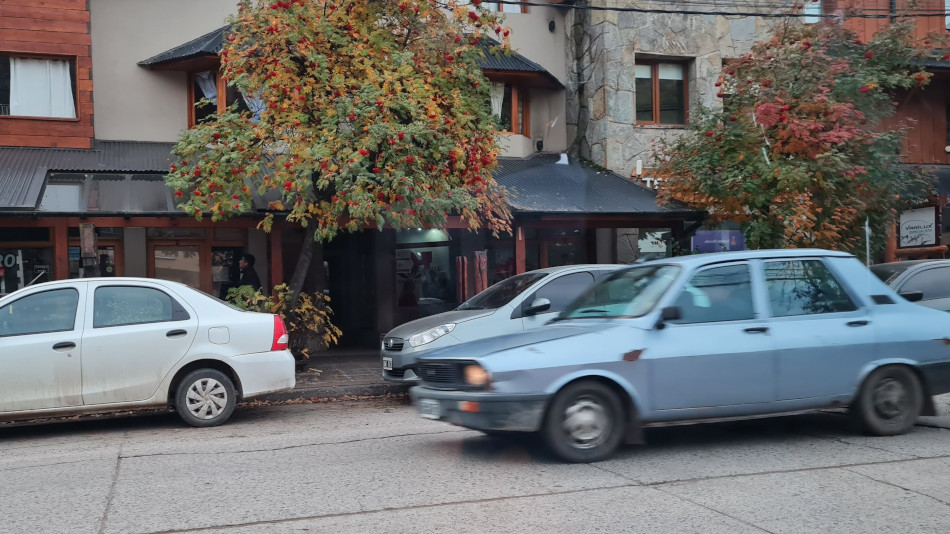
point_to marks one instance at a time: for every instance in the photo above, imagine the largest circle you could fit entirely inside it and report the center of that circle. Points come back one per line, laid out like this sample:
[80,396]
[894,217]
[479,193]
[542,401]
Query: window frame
[749,267]
[190,97]
[73,60]
[520,110]
[499,8]
[178,312]
[654,65]
[846,290]
[51,290]
[931,271]
[556,307]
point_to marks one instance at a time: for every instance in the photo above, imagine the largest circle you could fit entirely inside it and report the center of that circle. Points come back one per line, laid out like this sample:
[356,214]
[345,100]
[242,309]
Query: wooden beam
[519,250]
[60,251]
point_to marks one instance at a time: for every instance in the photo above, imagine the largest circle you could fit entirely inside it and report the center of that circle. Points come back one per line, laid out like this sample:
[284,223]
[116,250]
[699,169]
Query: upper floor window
[37,87]
[813,10]
[208,85]
[504,8]
[660,93]
[510,106]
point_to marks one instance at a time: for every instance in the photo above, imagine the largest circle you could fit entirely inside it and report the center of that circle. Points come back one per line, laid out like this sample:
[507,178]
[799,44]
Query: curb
[334,392]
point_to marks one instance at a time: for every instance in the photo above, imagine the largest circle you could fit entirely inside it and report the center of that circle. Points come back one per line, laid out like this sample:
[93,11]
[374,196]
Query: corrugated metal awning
[23,170]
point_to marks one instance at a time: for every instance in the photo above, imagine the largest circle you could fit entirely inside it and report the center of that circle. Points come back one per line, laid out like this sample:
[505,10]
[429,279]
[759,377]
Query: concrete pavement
[340,373]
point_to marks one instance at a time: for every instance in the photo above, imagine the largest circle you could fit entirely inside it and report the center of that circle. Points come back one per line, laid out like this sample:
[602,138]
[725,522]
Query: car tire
[889,401]
[205,397]
[584,422]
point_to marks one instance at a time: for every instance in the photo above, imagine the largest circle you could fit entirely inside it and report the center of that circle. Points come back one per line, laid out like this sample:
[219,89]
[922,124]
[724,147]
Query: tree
[371,113]
[802,152]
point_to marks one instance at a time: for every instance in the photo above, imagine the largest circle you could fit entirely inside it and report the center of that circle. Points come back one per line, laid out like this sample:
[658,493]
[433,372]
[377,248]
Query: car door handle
[65,345]
[858,323]
[176,333]
[757,330]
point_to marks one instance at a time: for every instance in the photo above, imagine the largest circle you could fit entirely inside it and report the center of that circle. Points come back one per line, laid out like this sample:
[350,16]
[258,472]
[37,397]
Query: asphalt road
[374,466]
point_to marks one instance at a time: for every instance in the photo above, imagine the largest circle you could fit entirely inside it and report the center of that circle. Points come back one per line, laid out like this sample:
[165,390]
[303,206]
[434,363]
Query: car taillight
[281,338]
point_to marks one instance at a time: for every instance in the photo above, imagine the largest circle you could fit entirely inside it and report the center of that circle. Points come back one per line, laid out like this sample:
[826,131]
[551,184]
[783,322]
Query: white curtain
[41,88]
[497,98]
[207,84]
[255,104]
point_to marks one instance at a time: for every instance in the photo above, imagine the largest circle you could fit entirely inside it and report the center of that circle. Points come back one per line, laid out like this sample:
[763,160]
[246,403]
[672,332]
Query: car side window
[717,294]
[562,290]
[127,305]
[802,287]
[40,313]
[933,283]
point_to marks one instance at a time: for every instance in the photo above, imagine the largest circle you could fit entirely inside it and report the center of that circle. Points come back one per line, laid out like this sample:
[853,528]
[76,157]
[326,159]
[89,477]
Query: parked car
[926,282]
[104,344]
[710,336]
[515,304]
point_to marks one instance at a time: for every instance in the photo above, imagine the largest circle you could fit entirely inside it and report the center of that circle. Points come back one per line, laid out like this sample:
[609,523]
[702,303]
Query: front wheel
[889,401]
[584,422]
[205,397]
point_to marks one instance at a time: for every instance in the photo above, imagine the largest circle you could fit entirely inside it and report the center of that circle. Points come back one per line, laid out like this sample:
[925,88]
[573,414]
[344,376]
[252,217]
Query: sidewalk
[340,373]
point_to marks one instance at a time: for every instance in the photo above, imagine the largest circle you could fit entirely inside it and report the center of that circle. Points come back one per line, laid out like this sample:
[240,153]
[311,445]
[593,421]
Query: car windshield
[628,293]
[501,293]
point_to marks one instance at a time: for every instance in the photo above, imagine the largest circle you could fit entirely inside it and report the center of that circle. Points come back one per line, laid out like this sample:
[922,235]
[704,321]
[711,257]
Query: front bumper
[510,412]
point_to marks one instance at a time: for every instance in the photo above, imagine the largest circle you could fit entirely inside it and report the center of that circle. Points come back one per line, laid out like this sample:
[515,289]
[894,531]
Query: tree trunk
[302,268]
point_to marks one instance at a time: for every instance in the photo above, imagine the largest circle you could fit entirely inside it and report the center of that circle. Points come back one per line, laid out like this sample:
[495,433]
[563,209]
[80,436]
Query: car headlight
[476,375]
[430,335]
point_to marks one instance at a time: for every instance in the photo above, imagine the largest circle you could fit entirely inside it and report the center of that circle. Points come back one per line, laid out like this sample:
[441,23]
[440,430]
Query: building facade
[81,189]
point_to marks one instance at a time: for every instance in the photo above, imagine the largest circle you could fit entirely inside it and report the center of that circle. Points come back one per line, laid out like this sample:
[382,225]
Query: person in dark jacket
[248,274]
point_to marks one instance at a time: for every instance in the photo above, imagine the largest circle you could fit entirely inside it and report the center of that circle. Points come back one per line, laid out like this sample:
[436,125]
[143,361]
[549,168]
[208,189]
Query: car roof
[580,267]
[114,279]
[738,255]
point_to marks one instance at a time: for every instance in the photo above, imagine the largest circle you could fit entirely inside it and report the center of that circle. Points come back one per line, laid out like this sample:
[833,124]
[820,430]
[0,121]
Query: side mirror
[913,296]
[540,305]
[669,313]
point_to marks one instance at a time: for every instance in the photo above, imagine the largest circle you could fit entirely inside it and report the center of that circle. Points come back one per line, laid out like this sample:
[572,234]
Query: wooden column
[60,251]
[519,249]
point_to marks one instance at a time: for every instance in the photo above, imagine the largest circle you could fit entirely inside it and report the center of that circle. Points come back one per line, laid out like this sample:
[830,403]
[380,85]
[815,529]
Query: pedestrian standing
[248,274]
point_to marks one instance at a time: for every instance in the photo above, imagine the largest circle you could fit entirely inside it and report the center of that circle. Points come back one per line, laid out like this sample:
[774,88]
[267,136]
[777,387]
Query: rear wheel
[890,401]
[584,422]
[205,397]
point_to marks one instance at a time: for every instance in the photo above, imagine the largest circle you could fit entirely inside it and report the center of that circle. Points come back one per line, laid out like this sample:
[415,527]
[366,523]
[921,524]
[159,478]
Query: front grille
[439,373]
[393,344]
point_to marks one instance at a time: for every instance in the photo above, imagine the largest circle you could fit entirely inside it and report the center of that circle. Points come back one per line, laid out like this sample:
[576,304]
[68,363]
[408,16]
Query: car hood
[432,321]
[485,347]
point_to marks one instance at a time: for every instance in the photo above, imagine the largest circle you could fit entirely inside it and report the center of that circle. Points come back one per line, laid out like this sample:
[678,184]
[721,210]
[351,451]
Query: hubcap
[585,423]
[206,398]
[890,397]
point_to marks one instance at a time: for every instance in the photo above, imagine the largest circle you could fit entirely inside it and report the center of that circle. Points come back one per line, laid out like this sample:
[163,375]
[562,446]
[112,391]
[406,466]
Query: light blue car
[703,337]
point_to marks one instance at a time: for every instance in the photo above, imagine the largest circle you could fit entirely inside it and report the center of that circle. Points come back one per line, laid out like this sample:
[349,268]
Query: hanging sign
[918,227]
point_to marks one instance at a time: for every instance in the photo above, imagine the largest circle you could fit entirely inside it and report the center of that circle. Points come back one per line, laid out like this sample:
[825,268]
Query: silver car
[713,336]
[926,282]
[515,304]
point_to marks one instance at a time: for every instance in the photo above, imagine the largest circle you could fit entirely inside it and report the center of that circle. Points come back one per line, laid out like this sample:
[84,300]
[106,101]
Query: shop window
[178,264]
[660,93]
[510,106]
[23,234]
[37,87]
[106,259]
[21,267]
[426,281]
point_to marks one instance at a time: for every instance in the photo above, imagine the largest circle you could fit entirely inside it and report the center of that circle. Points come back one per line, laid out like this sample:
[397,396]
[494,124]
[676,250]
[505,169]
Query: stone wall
[604,46]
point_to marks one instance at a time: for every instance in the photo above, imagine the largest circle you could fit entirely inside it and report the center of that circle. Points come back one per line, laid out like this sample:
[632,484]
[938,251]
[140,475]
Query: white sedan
[105,344]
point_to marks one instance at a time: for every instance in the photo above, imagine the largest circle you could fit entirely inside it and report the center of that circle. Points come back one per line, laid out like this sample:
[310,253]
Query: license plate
[429,408]
[388,364]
